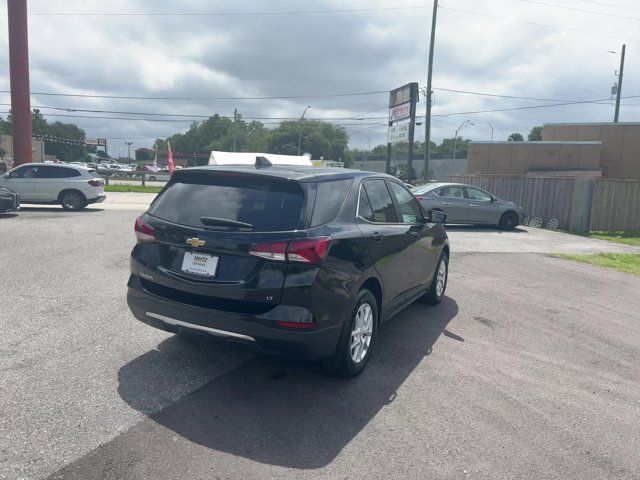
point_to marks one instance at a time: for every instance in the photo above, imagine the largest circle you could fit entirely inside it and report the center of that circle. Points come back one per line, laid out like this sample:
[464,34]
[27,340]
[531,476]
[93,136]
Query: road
[527,370]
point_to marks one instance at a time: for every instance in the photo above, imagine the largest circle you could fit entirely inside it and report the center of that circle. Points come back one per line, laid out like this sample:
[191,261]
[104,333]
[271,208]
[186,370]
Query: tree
[320,139]
[145,154]
[5,127]
[516,137]
[2,152]
[535,135]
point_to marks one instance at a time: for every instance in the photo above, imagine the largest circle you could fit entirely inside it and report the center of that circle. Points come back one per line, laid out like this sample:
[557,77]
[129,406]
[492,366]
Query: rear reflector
[306,250]
[297,325]
[144,232]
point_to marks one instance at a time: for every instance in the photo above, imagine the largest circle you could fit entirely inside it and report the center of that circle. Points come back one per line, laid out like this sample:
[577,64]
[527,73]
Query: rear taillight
[419,197]
[96,183]
[144,232]
[307,250]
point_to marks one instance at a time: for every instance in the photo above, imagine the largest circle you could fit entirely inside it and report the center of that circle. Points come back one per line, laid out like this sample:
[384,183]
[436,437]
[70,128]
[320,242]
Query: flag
[172,166]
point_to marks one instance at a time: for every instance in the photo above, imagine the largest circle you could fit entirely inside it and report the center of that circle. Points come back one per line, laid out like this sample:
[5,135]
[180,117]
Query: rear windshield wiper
[223,222]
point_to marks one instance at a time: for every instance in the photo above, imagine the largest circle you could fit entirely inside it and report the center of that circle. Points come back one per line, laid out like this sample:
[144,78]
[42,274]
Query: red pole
[19,66]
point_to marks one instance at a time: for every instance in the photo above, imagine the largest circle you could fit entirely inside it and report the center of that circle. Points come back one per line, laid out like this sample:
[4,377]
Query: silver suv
[71,186]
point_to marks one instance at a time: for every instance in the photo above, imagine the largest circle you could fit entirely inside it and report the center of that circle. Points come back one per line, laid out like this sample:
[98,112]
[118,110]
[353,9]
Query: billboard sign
[404,94]
[400,112]
[399,132]
[96,142]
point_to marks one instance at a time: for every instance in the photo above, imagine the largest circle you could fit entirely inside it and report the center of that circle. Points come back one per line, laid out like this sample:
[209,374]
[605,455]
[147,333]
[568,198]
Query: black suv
[301,261]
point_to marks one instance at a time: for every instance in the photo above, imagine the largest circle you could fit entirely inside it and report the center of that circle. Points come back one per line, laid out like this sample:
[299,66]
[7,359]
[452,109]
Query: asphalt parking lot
[529,369]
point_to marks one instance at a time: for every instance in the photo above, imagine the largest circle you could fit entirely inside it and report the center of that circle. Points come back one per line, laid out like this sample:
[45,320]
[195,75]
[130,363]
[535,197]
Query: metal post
[128,144]
[300,129]
[19,67]
[491,129]
[619,93]
[429,94]
[235,128]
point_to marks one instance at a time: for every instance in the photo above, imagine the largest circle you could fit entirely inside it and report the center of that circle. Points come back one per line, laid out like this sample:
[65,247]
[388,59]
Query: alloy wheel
[361,333]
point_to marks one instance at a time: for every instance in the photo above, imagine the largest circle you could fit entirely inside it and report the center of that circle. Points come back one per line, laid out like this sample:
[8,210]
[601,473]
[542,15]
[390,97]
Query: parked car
[468,204]
[9,200]
[162,175]
[146,168]
[298,261]
[72,187]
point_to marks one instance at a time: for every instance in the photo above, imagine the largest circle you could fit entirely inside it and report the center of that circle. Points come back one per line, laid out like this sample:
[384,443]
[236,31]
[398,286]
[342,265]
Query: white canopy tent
[244,158]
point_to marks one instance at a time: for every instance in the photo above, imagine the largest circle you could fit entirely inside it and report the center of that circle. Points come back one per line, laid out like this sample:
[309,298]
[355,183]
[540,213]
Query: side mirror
[436,216]
[493,199]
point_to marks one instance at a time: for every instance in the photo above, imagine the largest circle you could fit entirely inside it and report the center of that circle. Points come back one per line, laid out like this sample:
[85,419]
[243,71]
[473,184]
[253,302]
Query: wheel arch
[375,287]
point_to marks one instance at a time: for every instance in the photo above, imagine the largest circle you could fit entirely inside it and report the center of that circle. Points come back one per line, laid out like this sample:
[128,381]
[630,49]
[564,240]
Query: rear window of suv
[268,204]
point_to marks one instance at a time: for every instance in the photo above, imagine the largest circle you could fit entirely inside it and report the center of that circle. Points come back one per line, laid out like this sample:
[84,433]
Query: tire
[438,287]
[72,200]
[349,361]
[508,221]
[152,178]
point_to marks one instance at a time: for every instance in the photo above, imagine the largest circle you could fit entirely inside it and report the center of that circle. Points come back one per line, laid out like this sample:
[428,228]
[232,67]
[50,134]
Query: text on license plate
[200,264]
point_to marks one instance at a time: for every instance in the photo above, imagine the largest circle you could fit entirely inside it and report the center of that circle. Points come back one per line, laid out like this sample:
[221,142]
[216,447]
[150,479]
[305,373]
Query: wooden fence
[579,204]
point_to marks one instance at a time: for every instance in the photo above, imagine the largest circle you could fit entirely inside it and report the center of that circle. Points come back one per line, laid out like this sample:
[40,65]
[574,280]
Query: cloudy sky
[196,58]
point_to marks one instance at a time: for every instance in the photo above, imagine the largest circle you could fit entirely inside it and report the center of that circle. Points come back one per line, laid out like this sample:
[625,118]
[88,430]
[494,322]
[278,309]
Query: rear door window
[384,211]
[451,192]
[268,204]
[364,207]
[329,199]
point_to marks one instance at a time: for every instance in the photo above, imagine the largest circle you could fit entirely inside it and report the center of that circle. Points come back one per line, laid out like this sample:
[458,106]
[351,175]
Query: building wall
[440,168]
[516,158]
[6,142]
[620,157]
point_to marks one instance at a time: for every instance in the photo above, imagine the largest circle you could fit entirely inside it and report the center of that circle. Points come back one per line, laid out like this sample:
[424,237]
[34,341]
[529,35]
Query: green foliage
[5,127]
[535,135]
[3,152]
[516,137]
[145,155]
[623,262]
[132,189]
[320,139]
[626,237]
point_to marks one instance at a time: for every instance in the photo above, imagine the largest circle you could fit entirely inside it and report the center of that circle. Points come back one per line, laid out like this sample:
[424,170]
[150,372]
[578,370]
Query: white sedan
[159,176]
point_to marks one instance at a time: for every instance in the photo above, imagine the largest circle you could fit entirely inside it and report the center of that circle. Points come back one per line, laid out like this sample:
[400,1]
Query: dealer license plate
[200,264]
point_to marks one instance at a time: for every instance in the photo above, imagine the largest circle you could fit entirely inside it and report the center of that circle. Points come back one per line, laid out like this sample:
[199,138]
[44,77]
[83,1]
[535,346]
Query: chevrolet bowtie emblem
[195,242]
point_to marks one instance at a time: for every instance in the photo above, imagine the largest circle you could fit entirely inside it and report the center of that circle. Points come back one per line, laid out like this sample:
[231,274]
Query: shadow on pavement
[481,228]
[278,412]
[55,209]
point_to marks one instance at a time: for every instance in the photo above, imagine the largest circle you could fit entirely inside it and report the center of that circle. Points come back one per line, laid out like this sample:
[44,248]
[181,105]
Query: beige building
[6,143]
[607,149]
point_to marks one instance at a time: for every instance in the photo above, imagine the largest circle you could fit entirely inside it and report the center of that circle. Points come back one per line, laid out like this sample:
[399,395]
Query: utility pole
[455,136]
[19,73]
[490,125]
[300,129]
[235,128]
[128,144]
[429,94]
[619,92]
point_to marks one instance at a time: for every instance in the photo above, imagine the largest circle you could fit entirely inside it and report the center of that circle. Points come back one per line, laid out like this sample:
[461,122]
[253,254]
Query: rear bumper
[99,199]
[259,332]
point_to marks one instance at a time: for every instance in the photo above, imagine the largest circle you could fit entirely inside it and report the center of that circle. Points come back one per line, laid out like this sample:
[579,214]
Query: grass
[131,189]
[628,238]
[622,262]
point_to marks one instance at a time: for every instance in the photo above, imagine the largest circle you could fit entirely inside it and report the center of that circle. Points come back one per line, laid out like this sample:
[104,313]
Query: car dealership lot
[527,370]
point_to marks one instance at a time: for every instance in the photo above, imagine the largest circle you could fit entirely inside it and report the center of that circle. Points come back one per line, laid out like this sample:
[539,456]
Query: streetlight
[300,128]
[491,129]
[128,144]
[455,137]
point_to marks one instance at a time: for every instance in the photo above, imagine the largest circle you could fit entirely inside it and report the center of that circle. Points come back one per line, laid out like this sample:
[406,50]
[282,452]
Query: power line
[525,22]
[223,14]
[575,9]
[483,94]
[128,97]
[610,5]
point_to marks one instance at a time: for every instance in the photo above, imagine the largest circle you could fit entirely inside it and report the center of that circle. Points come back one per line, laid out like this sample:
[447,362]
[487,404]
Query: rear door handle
[378,237]
[446,203]
[473,205]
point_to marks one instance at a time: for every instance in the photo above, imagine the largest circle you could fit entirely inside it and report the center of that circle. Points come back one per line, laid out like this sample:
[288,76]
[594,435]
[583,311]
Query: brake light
[309,250]
[271,251]
[95,183]
[144,232]
[306,250]
[419,197]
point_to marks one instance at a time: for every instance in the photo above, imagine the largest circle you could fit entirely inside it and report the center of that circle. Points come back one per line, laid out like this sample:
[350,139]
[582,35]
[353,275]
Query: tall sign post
[402,121]
[19,73]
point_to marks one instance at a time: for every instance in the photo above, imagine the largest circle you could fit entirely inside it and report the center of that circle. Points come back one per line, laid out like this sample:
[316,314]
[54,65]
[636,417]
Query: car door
[452,201]
[47,183]
[20,180]
[482,209]
[424,254]
[389,241]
